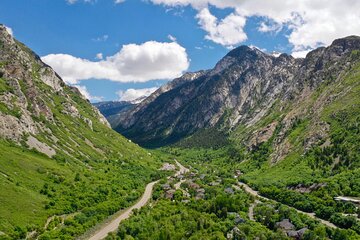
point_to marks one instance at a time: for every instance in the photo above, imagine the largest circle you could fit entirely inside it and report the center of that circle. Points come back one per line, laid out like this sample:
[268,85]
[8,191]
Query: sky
[125,49]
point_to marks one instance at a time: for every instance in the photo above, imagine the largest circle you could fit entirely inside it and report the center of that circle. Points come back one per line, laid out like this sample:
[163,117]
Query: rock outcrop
[243,88]
[31,95]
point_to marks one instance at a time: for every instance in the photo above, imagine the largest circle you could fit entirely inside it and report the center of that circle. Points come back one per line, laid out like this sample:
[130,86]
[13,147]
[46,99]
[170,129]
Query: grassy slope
[34,187]
[37,187]
[94,173]
[343,117]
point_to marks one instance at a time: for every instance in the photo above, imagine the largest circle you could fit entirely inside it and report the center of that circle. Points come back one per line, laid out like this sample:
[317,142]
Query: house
[229,190]
[235,233]
[285,225]
[168,167]
[214,183]
[166,186]
[192,174]
[169,194]
[238,220]
[193,185]
[180,176]
[200,193]
[296,234]
[236,216]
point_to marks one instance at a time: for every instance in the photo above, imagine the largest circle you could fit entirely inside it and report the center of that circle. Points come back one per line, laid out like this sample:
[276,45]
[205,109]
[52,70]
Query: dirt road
[125,214]
[113,225]
[182,170]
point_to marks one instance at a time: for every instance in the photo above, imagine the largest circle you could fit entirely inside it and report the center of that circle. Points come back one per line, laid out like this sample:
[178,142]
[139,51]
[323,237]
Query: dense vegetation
[269,214]
[214,216]
[168,220]
[220,212]
[94,173]
[35,188]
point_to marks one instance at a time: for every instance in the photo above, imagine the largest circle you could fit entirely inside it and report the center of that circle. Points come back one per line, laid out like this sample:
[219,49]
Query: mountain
[289,128]
[111,109]
[62,168]
[242,89]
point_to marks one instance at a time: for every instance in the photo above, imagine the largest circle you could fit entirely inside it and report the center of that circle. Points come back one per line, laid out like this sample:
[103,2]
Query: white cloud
[102,38]
[171,38]
[75,1]
[9,30]
[270,26]
[83,90]
[99,56]
[300,54]
[227,32]
[256,47]
[312,22]
[133,94]
[133,63]
[275,54]
[197,4]
[119,1]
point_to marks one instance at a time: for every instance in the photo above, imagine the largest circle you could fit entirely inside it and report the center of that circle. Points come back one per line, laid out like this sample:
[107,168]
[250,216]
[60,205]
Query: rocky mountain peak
[4,34]
[347,43]
[242,55]
[240,90]
[242,52]
[33,96]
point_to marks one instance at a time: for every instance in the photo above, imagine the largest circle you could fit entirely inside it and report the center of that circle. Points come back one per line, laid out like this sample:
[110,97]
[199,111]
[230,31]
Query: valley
[289,128]
[258,147]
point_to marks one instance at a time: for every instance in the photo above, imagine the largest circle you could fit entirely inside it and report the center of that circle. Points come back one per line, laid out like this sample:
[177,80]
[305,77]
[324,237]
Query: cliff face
[34,96]
[240,90]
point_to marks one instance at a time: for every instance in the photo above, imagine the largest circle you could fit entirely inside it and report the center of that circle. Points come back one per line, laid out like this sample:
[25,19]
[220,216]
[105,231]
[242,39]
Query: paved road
[114,224]
[254,193]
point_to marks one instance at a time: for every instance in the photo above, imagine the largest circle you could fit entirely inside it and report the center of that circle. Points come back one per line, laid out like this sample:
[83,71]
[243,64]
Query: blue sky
[81,30]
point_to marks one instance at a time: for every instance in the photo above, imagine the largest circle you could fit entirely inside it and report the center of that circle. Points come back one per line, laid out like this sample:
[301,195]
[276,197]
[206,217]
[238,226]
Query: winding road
[125,214]
[254,193]
[182,170]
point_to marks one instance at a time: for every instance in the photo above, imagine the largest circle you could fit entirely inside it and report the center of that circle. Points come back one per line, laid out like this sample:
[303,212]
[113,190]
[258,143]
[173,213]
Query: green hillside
[62,168]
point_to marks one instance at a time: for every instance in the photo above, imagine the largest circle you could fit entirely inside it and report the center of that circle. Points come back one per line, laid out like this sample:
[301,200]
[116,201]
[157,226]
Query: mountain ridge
[244,84]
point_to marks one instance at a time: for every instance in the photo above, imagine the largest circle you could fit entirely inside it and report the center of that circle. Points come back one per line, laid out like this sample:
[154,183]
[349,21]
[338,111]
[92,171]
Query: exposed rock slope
[239,90]
[32,94]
